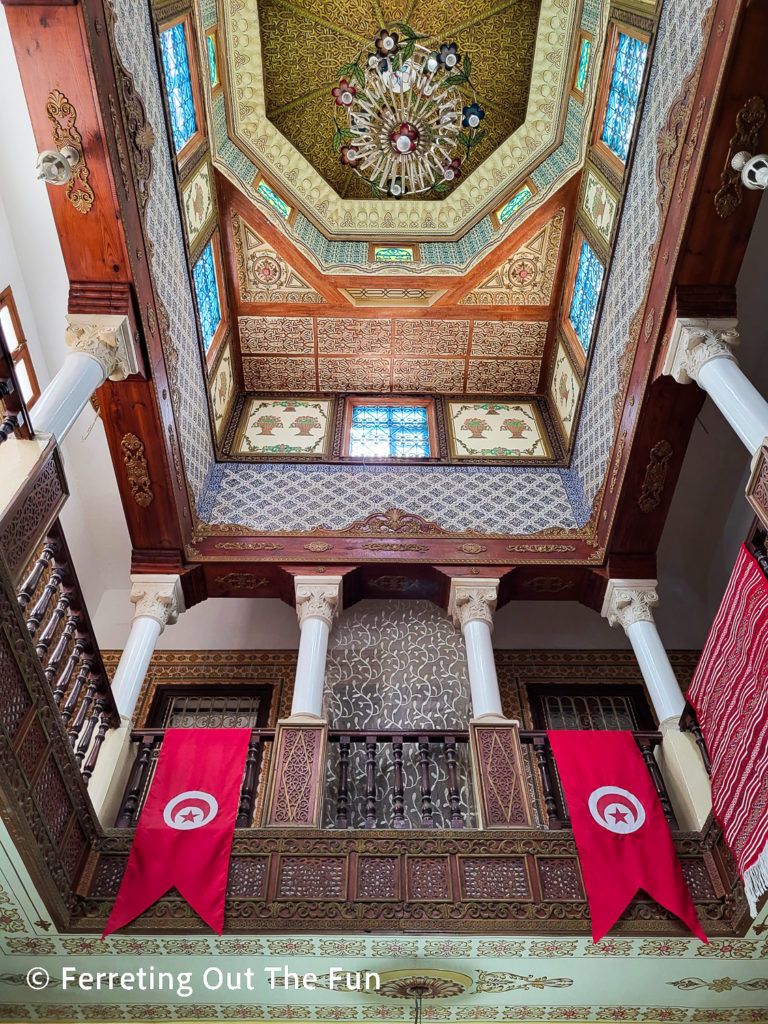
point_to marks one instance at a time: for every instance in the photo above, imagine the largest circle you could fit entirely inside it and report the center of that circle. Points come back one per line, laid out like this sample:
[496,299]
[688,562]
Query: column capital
[157,597]
[105,337]
[695,342]
[472,600]
[629,601]
[317,597]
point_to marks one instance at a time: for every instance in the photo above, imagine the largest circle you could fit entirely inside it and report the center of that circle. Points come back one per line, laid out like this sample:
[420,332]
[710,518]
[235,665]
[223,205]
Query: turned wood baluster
[646,749]
[29,586]
[54,661]
[370,782]
[37,614]
[427,820]
[82,712]
[46,637]
[74,694]
[62,683]
[457,821]
[248,791]
[398,794]
[93,757]
[342,797]
[135,783]
[93,718]
[540,751]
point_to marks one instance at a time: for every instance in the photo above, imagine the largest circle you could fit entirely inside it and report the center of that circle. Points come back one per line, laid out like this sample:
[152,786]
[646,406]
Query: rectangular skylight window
[393,254]
[387,432]
[624,93]
[273,199]
[513,205]
[586,292]
[207,295]
[178,84]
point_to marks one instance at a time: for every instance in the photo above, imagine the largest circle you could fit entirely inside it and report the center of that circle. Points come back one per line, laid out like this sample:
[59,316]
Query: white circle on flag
[189,810]
[616,809]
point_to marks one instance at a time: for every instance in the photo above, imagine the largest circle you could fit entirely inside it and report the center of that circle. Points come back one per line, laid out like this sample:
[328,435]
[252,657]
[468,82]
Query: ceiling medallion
[408,128]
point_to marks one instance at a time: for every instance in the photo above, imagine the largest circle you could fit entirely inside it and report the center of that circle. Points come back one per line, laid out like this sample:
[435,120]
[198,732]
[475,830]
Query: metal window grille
[197,711]
[380,431]
[589,712]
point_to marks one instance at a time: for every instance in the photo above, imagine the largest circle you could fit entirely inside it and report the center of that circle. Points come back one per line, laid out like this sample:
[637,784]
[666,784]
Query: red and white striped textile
[730,694]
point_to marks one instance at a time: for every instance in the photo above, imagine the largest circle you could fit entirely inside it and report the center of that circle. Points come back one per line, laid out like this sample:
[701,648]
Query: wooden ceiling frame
[107,251]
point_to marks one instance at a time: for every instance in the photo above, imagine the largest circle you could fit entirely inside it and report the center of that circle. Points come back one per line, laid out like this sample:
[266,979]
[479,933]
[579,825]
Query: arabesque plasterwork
[263,274]
[349,218]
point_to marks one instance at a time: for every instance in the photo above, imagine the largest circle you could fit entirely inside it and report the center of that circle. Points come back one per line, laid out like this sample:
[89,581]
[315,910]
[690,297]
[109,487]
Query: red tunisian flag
[184,834]
[621,833]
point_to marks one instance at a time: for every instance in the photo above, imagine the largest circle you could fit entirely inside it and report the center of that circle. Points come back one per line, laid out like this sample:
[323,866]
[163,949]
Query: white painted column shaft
[310,668]
[67,394]
[483,681]
[663,687]
[737,399]
[134,662]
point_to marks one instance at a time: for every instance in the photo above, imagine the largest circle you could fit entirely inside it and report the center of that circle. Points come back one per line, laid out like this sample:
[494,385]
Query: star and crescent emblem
[616,809]
[190,810]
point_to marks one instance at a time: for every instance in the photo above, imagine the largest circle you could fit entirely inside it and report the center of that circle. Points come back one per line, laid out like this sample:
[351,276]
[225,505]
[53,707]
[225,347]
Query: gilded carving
[749,120]
[431,337]
[472,549]
[245,545]
[617,457]
[139,132]
[509,338]
[63,118]
[136,470]
[242,581]
[391,545]
[548,584]
[690,149]
[318,546]
[655,477]
[352,336]
[394,520]
[757,488]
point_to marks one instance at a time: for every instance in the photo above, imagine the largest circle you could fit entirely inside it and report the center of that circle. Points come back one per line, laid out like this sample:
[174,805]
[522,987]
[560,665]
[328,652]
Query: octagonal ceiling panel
[304,43]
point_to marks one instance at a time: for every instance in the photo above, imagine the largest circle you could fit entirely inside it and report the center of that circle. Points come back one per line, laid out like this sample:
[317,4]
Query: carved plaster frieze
[629,601]
[695,342]
[106,338]
[473,600]
[317,598]
[157,597]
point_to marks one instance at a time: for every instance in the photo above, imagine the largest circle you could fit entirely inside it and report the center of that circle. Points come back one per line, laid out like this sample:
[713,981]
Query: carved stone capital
[157,597]
[696,342]
[472,600]
[317,598]
[105,337]
[629,601]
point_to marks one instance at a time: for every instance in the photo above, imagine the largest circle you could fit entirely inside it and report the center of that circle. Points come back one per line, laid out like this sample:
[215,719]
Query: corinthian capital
[157,597]
[696,342]
[472,600]
[106,338]
[629,601]
[317,598]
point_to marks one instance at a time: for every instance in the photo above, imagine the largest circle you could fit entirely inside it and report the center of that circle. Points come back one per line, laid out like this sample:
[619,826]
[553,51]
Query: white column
[701,350]
[471,605]
[159,601]
[100,347]
[628,604]
[317,604]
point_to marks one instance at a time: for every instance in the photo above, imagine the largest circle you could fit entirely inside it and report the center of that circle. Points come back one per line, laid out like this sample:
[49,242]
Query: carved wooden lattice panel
[296,784]
[500,776]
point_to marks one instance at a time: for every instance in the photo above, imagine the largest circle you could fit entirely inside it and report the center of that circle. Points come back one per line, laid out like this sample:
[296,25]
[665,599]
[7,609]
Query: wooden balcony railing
[60,628]
[437,749]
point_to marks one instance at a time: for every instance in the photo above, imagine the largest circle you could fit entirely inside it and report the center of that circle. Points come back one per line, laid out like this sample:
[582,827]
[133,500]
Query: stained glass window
[514,204]
[392,254]
[389,431]
[624,93]
[581,71]
[213,69]
[178,84]
[204,274]
[586,291]
[273,199]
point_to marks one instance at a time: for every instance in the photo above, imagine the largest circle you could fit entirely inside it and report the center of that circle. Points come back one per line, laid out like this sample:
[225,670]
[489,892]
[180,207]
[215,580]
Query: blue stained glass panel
[581,73]
[624,93]
[586,292]
[389,431]
[178,85]
[514,204]
[207,293]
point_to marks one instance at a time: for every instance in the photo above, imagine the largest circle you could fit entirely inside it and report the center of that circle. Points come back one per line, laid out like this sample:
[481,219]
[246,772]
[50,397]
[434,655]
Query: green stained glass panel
[581,74]
[213,69]
[392,254]
[273,199]
[514,204]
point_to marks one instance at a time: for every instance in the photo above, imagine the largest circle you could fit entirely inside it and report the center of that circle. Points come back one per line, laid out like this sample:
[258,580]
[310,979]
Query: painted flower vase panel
[495,430]
[564,390]
[222,388]
[285,426]
[198,203]
[599,204]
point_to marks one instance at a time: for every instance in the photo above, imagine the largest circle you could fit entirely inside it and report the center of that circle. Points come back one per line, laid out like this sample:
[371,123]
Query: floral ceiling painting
[496,429]
[285,426]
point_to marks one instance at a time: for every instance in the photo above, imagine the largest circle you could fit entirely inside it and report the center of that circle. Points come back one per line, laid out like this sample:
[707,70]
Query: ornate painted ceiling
[304,43]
